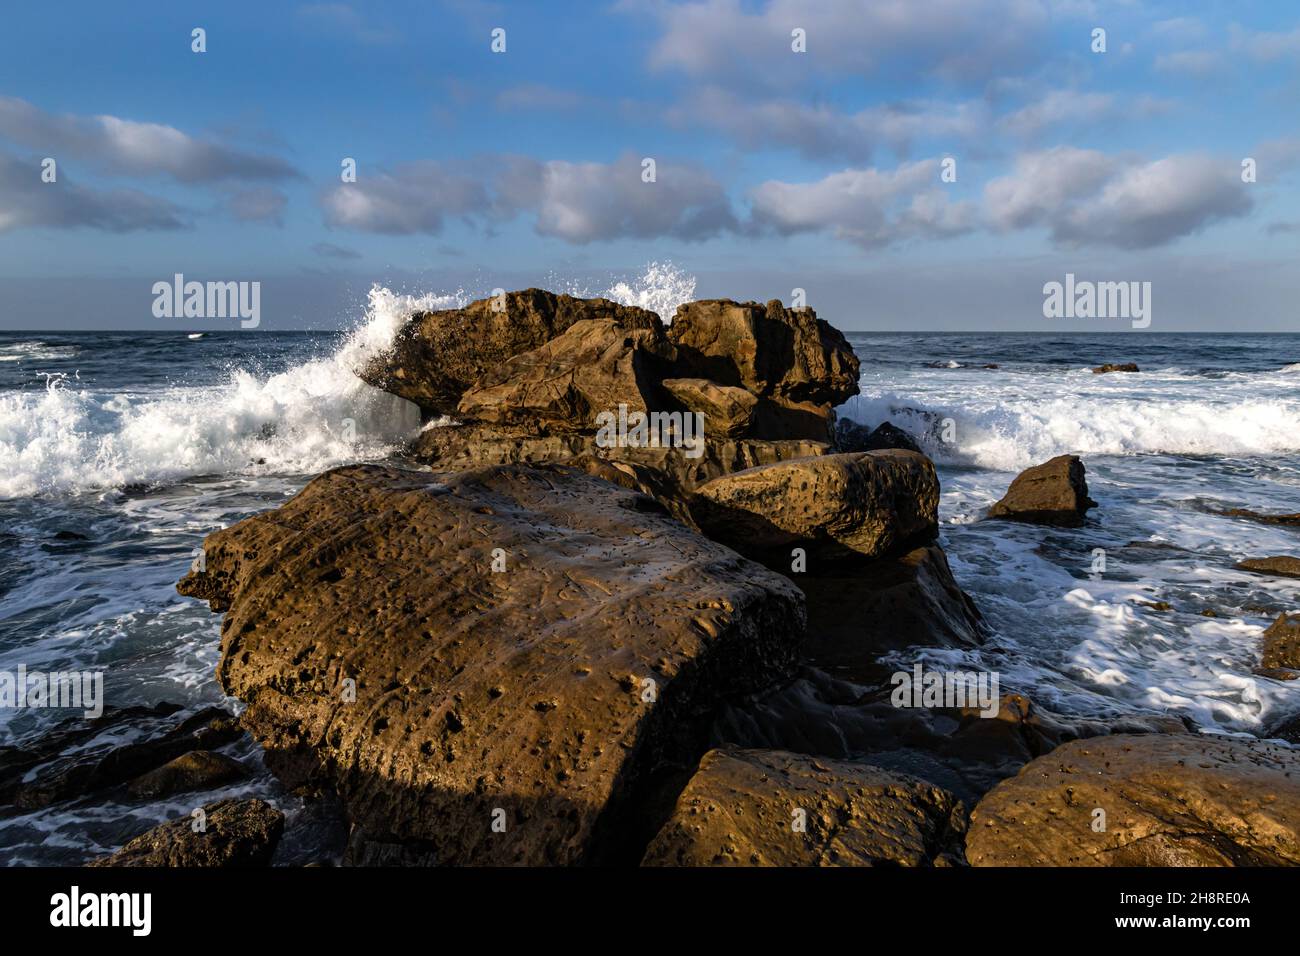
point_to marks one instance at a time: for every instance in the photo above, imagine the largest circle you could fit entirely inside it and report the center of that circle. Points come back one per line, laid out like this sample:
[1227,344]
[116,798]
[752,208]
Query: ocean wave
[660,288]
[36,350]
[1006,432]
[70,437]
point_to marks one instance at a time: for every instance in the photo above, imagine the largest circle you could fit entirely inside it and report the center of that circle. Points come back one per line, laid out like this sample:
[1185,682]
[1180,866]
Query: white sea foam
[71,437]
[660,288]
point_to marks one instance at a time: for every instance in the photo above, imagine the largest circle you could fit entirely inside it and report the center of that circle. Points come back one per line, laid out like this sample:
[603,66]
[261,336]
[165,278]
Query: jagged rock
[855,505]
[565,697]
[768,350]
[728,411]
[594,366]
[1282,566]
[437,356]
[114,762]
[237,833]
[1115,367]
[952,747]
[850,436]
[856,615]
[1055,492]
[1180,800]
[1282,642]
[772,808]
[196,770]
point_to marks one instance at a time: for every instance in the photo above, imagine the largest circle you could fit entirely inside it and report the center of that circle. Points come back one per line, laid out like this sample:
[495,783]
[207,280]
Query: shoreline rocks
[1115,367]
[1053,493]
[235,833]
[1280,566]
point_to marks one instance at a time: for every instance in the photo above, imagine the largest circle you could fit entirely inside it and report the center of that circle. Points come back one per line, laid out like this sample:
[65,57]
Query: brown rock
[1055,492]
[1292,519]
[1282,642]
[237,833]
[1113,367]
[728,411]
[525,691]
[437,356]
[769,350]
[196,770]
[857,505]
[1282,566]
[594,366]
[1180,800]
[772,808]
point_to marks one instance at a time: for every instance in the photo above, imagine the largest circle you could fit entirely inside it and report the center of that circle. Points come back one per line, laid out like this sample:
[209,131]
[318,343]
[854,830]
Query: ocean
[119,452]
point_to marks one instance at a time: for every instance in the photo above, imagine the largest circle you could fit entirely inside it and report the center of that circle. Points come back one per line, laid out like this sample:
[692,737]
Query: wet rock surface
[1054,493]
[230,833]
[1280,566]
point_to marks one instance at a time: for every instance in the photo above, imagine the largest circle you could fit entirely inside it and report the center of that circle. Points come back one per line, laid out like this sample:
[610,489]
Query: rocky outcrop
[509,665]
[855,505]
[772,808]
[230,833]
[1282,643]
[594,366]
[196,770]
[1180,800]
[436,356]
[1115,367]
[957,748]
[1055,493]
[1281,566]
[1292,519]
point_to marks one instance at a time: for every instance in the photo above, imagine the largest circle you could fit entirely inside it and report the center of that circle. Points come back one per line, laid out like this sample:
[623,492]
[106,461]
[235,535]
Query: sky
[908,164]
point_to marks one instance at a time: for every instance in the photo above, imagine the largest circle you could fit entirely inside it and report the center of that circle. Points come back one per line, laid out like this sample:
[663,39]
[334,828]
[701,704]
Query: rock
[196,770]
[1055,493]
[850,436]
[908,601]
[437,356]
[1282,642]
[744,807]
[1180,800]
[238,833]
[1112,367]
[855,505]
[113,762]
[952,747]
[1292,520]
[1282,566]
[566,697]
[594,366]
[728,411]
[769,350]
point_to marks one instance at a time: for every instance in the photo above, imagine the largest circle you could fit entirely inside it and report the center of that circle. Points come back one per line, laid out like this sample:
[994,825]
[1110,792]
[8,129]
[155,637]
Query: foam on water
[72,436]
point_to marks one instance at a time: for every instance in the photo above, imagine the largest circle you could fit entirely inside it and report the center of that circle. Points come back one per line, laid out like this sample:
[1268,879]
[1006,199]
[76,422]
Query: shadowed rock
[772,808]
[197,770]
[1055,493]
[850,436]
[1180,800]
[543,712]
[236,833]
[855,505]
[728,411]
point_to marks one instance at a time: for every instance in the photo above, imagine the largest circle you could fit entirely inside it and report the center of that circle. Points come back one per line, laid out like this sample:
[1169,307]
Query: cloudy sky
[774,169]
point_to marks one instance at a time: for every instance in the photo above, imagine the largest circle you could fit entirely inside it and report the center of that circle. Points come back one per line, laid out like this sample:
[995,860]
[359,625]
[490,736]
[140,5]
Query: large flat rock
[563,700]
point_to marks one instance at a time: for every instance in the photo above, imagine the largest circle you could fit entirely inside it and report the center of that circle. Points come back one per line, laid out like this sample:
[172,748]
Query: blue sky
[774,169]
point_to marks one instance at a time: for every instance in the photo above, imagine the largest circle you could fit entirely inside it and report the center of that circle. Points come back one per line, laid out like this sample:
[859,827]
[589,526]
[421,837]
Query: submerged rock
[1055,493]
[853,505]
[773,808]
[1115,367]
[1282,566]
[196,770]
[235,833]
[1180,800]
[510,665]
